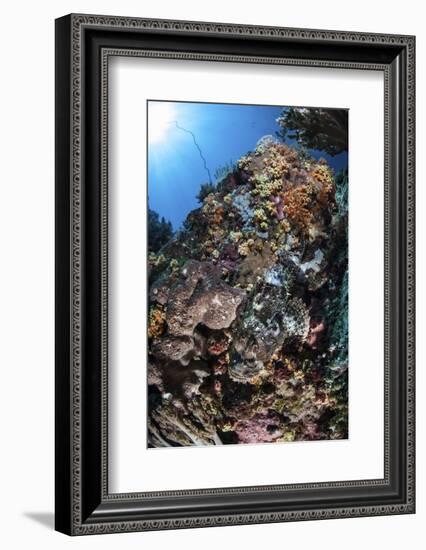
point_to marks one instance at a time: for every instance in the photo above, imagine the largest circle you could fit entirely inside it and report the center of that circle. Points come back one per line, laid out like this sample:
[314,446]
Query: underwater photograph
[247,274]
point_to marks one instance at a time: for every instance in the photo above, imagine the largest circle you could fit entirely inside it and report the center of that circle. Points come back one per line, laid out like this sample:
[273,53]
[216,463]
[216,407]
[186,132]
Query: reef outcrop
[248,309]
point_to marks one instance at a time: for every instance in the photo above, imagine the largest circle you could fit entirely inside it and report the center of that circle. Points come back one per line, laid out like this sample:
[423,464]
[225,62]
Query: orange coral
[323,183]
[218,215]
[157,322]
[288,186]
[296,207]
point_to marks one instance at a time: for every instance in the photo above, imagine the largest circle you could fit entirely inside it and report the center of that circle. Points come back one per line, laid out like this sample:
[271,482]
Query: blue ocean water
[189,142]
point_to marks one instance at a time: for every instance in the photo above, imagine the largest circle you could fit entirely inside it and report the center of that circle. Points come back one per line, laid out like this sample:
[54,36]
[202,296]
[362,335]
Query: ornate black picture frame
[84,44]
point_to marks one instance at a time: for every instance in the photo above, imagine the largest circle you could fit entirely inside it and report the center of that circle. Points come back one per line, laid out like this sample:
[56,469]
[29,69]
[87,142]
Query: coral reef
[248,308]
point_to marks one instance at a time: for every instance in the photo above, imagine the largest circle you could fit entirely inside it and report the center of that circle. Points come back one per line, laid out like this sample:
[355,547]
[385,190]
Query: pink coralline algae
[315,331]
[248,309]
[265,427]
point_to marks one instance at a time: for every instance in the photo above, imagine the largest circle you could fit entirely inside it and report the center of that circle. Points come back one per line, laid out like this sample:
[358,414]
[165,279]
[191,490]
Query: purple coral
[279,202]
[229,257]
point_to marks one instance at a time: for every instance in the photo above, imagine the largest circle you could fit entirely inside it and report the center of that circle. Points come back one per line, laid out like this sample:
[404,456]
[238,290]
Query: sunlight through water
[160,116]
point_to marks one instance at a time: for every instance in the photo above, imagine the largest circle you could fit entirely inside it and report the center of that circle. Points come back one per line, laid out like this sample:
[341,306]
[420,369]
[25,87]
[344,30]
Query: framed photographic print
[234,274]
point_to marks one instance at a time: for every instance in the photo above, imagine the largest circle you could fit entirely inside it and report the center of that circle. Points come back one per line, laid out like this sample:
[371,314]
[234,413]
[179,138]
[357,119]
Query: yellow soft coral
[235,236]
[260,215]
[245,247]
[276,164]
[264,186]
[155,259]
[157,322]
[244,162]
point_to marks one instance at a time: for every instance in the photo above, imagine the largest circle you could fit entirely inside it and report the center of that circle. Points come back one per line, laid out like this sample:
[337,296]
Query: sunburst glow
[160,118]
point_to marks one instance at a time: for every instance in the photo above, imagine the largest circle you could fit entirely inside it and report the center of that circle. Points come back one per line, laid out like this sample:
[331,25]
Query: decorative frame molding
[84,43]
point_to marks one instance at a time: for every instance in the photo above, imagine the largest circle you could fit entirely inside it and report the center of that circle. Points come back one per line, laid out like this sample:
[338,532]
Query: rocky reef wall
[248,309]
